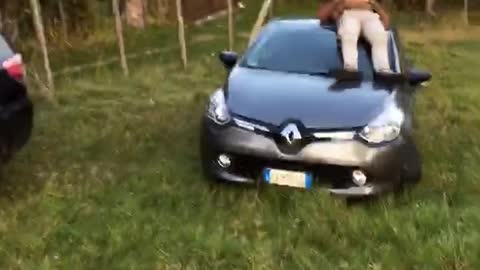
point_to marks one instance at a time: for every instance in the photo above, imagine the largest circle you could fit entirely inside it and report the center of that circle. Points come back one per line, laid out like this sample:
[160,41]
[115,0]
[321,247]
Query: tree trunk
[145,11]
[162,10]
[119,32]
[135,10]
[9,21]
[39,29]
[429,7]
[63,19]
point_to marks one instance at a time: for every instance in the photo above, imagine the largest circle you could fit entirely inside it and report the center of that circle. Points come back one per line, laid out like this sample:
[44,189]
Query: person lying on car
[356,18]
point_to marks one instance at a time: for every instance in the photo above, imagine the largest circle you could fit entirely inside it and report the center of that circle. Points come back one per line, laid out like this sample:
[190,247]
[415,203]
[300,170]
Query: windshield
[311,50]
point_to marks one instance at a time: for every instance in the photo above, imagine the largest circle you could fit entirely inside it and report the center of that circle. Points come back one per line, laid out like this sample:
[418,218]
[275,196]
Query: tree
[10,13]
[135,11]
[429,7]
[162,10]
[63,19]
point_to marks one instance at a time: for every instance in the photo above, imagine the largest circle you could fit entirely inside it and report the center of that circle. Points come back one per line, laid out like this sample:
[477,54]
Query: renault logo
[291,133]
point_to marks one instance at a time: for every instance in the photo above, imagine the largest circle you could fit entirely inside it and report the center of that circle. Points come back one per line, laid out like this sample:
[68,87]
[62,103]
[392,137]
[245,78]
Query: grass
[111,179]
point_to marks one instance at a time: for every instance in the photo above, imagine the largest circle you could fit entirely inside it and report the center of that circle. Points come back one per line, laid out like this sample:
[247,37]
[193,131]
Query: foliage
[16,15]
[86,16]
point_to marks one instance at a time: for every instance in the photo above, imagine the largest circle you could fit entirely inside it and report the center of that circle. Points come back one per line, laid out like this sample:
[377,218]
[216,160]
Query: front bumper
[332,162]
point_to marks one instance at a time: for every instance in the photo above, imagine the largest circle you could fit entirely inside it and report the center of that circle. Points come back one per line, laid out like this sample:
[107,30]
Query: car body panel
[348,152]
[329,114]
[16,110]
[274,97]
[251,153]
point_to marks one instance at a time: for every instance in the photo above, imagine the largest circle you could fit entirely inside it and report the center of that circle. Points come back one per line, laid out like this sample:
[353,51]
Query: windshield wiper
[319,73]
[255,67]
[312,73]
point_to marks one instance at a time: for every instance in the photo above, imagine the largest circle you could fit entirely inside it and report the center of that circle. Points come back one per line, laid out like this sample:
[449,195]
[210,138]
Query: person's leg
[349,32]
[374,31]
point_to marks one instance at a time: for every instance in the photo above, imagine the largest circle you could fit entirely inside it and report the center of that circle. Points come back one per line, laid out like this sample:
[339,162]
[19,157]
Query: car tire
[206,156]
[411,171]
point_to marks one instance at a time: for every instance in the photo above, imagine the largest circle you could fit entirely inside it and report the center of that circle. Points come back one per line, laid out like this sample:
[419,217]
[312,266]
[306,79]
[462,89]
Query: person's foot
[385,71]
[389,75]
[347,74]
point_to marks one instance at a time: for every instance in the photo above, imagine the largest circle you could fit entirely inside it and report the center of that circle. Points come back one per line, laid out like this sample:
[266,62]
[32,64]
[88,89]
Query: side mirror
[418,77]
[229,59]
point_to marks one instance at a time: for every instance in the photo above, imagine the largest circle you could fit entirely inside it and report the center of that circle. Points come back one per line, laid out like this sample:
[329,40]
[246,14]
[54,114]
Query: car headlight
[386,127]
[381,134]
[217,108]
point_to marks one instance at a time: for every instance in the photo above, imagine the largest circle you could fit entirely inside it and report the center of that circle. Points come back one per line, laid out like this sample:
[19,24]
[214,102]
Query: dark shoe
[347,75]
[344,85]
[390,77]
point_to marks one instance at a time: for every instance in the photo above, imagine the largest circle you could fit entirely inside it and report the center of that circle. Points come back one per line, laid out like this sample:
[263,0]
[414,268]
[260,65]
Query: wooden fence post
[63,19]
[271,10]
[39,29]
[466,12]
[119,31]
[260,20]
[162,10]
[429,7]
[231,33]
[181,34]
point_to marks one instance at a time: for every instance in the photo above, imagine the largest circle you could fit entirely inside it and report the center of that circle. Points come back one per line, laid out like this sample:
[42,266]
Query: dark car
[283,118]
[16,109]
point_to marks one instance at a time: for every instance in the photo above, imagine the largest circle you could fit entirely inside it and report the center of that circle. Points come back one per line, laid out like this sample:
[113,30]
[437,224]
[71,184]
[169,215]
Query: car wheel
[361,201]
[206,156]
[5,152]
[411,172]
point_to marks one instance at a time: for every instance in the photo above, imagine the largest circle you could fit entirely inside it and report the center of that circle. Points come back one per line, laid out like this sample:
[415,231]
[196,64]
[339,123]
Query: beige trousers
[356,22]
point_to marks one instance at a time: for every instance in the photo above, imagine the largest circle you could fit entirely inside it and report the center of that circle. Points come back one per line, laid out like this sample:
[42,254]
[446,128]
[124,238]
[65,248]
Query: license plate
[288,178]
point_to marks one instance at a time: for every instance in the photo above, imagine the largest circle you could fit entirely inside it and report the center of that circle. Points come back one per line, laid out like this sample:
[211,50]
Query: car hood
[317,102]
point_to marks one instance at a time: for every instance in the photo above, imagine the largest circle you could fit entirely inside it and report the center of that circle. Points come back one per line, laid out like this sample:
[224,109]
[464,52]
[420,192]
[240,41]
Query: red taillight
[14,67]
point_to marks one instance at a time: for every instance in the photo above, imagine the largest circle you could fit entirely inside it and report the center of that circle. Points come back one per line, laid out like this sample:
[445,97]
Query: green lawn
[111,180]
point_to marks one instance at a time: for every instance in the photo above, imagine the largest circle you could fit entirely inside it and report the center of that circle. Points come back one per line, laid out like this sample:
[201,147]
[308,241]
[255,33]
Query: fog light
[224,161]
[359,178]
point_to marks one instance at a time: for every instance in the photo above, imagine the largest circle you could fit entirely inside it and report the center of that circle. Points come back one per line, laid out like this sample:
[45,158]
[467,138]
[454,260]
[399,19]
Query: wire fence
[183,12]
[196,13]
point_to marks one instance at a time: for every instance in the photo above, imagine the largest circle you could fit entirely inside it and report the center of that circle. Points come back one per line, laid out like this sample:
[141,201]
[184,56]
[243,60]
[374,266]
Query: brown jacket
[333,10]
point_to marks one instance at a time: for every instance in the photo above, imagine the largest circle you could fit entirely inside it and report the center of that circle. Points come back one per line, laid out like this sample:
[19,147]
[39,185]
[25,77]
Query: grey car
[282,116]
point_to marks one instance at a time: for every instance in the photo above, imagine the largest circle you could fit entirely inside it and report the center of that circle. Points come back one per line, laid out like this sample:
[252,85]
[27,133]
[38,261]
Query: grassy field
[111,178]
